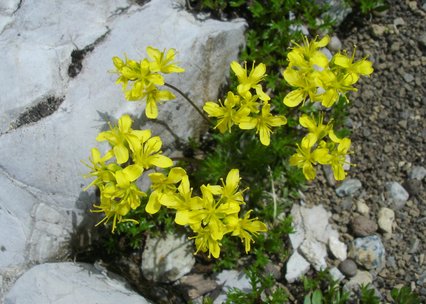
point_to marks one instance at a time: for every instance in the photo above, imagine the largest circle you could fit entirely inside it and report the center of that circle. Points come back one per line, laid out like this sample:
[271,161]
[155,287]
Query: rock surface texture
[57,95]
[70,283]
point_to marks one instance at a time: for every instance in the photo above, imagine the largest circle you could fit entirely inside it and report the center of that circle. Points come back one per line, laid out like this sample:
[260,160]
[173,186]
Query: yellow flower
[229,189]
[307,55]
[338,155]
[245,228]
[150,155]
[104,173]
[123,137]
[305,86]
[353,69]
[334,86]
[250,101]
[317,128]
[163,185]
[305,158]
[250,81]
[114,210]
[163,63]
[263,123]
[154,95]
[204,241]
[227,114]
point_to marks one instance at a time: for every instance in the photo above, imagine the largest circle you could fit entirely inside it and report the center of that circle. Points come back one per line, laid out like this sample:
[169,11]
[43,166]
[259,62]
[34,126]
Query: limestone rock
[418,172]
[396,194]
[231,279]
[315,253]
[167,259]
[386,218]
[337,248]
[297,266]
[41,198]
[368,252]
[70,283]
[362,207]
[349,187]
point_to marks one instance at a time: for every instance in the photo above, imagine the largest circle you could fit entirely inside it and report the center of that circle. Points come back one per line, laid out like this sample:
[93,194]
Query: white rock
[335,44]
[69,283]
[298,236]
[396,194]
[231,279]
[315,223]
[417,172]
[338,248]
[167,259]
[315,253]
[50,236]
[40,163]
[386,218]
[297,266]
[362,208]
[349,187]
[336,274]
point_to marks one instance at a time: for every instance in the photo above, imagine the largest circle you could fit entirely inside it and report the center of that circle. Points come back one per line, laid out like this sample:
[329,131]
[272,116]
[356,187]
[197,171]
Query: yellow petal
[154,53]
[121,153]
[294,98]
[176,174]
[132,172]
[213,109]
[153,205]
[364,67]
[338,172]
[124,123]
[265,136]
[151,110]
[309,171]
[323,42]
[342,60]
[259,71]
[293,77]
[233,178]
[161,161]
[247,123]
[238,69]
[121,179]
[333,136]
[307,122]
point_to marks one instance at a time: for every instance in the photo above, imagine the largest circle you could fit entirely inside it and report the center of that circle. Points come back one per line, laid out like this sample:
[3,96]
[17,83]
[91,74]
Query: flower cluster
[140,80]
[314,149]
[249,108]
[132,152]
[210,216]
[316,77]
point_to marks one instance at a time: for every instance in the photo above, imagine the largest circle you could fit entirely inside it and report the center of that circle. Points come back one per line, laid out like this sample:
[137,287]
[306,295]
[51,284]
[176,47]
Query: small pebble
[386,218]
[348,267]
[363,226]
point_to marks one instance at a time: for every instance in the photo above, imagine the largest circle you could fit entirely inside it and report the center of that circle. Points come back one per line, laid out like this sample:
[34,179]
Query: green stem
[189,100]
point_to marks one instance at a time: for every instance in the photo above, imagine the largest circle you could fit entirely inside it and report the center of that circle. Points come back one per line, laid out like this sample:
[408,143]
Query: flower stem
[189,100]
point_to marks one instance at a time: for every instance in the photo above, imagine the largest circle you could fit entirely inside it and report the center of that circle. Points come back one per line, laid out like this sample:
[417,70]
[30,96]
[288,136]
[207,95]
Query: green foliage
[404,296]
[368,6]
[368,295]
[263,290]
[323,289]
